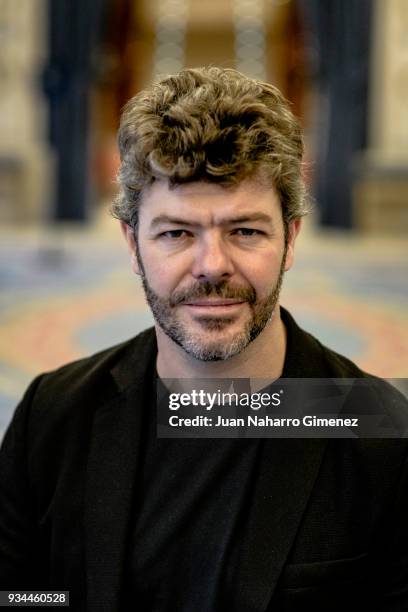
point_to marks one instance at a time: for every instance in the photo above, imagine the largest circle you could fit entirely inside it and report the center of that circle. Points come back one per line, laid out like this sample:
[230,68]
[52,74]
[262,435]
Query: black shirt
[189,516]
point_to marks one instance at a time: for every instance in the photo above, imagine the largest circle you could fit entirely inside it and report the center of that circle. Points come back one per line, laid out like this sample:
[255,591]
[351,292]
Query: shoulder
[74,391]
[369,393]
[308,358]
[95,368]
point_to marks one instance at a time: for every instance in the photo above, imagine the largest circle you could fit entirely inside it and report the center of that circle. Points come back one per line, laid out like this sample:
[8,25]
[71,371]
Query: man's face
[211,261]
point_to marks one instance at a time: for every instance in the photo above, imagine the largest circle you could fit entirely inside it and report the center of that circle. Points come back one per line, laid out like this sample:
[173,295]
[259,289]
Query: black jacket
[328,524]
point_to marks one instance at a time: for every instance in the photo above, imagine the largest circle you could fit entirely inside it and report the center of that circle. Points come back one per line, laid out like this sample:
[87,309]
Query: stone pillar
[381,193]
[389,115]
[24,154]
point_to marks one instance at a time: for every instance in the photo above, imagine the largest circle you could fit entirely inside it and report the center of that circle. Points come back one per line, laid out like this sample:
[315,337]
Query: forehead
[204,202]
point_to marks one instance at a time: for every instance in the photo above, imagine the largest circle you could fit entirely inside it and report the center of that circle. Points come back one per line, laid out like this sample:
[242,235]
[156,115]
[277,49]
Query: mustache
[208,289]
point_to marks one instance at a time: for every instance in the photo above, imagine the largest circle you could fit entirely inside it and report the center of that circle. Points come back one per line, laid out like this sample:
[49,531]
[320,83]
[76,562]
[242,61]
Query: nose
[212,259]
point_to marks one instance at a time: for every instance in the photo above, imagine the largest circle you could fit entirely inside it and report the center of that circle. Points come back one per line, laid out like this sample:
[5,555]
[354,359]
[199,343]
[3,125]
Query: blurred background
[66,69]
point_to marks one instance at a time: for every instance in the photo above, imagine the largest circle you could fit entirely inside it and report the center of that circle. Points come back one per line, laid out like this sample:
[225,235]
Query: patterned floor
[70,292]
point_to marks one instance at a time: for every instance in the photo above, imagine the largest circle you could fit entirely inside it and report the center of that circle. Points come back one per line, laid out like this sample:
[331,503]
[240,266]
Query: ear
[129,236]
[293,231]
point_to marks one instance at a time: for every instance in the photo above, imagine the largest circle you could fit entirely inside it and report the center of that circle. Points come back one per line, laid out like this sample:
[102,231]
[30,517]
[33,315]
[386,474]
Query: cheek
[262,272]
[164,276]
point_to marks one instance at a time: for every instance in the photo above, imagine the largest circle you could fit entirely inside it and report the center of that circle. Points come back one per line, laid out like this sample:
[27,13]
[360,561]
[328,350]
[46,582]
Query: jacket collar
[304,356]
[111,472]
[288,469]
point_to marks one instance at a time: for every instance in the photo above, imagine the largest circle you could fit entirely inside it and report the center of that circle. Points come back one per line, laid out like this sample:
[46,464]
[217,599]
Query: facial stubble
[164,310]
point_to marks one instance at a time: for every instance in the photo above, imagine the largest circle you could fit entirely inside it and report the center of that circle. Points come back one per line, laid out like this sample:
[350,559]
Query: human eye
[176,234]
[247,232]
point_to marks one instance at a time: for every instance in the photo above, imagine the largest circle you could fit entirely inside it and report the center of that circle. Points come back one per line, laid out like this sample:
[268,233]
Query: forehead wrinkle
[205,205]
[244,218]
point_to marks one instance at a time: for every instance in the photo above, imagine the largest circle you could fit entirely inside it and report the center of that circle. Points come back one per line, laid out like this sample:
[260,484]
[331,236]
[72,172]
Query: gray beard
[163,310]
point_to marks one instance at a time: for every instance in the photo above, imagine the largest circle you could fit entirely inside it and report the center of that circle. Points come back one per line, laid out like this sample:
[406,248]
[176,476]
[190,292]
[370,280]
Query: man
[93,502]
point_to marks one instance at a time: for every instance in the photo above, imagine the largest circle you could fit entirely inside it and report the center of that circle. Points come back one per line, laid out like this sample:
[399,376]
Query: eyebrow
[161,219]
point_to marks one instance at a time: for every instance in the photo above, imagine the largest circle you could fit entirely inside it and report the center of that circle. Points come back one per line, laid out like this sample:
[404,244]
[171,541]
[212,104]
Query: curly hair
[209,124]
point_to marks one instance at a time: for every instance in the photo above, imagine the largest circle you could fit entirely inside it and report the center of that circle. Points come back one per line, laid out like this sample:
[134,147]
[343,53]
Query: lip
[218,309]
[213,303]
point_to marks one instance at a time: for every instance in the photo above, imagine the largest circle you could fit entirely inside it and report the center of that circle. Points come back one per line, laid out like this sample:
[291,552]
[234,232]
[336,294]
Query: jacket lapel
[288,470]
[111,472]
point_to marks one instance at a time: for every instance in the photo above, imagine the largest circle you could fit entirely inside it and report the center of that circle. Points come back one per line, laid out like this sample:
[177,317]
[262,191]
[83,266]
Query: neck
[262,358]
